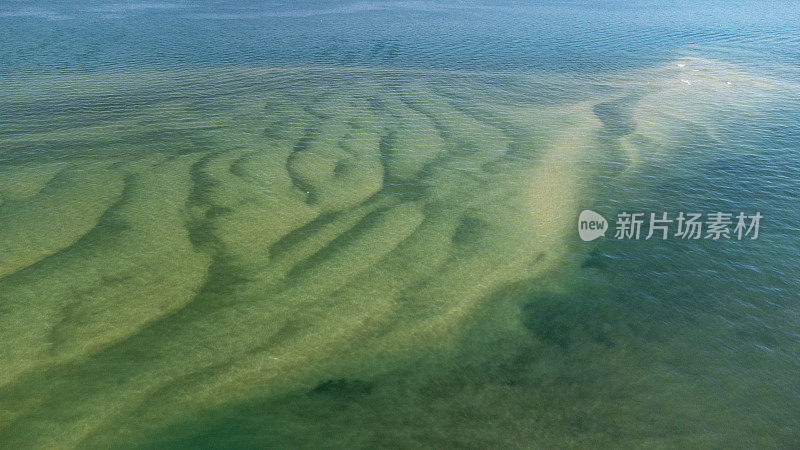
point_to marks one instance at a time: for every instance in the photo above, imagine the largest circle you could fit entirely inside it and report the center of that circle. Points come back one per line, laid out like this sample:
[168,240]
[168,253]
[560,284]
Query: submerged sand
[278,228]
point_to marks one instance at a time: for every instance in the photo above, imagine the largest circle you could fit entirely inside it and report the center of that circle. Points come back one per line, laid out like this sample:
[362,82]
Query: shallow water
[354,224]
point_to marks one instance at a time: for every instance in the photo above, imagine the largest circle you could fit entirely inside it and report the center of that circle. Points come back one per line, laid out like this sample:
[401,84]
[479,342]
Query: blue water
[568,35]
[354,224]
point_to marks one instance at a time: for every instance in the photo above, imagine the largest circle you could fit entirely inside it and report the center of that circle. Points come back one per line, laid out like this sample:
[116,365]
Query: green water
[362,257]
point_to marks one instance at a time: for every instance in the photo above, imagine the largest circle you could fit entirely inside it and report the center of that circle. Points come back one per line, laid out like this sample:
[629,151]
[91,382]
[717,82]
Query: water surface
[355,225]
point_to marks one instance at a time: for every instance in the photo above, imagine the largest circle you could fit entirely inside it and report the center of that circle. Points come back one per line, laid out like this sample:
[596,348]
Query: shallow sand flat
[280,247]
[76,302]
[558,179]
[695,97]
[56,216]
[20,182]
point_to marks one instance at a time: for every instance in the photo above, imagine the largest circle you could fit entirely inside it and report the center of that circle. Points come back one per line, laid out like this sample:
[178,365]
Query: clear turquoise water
[353,224]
